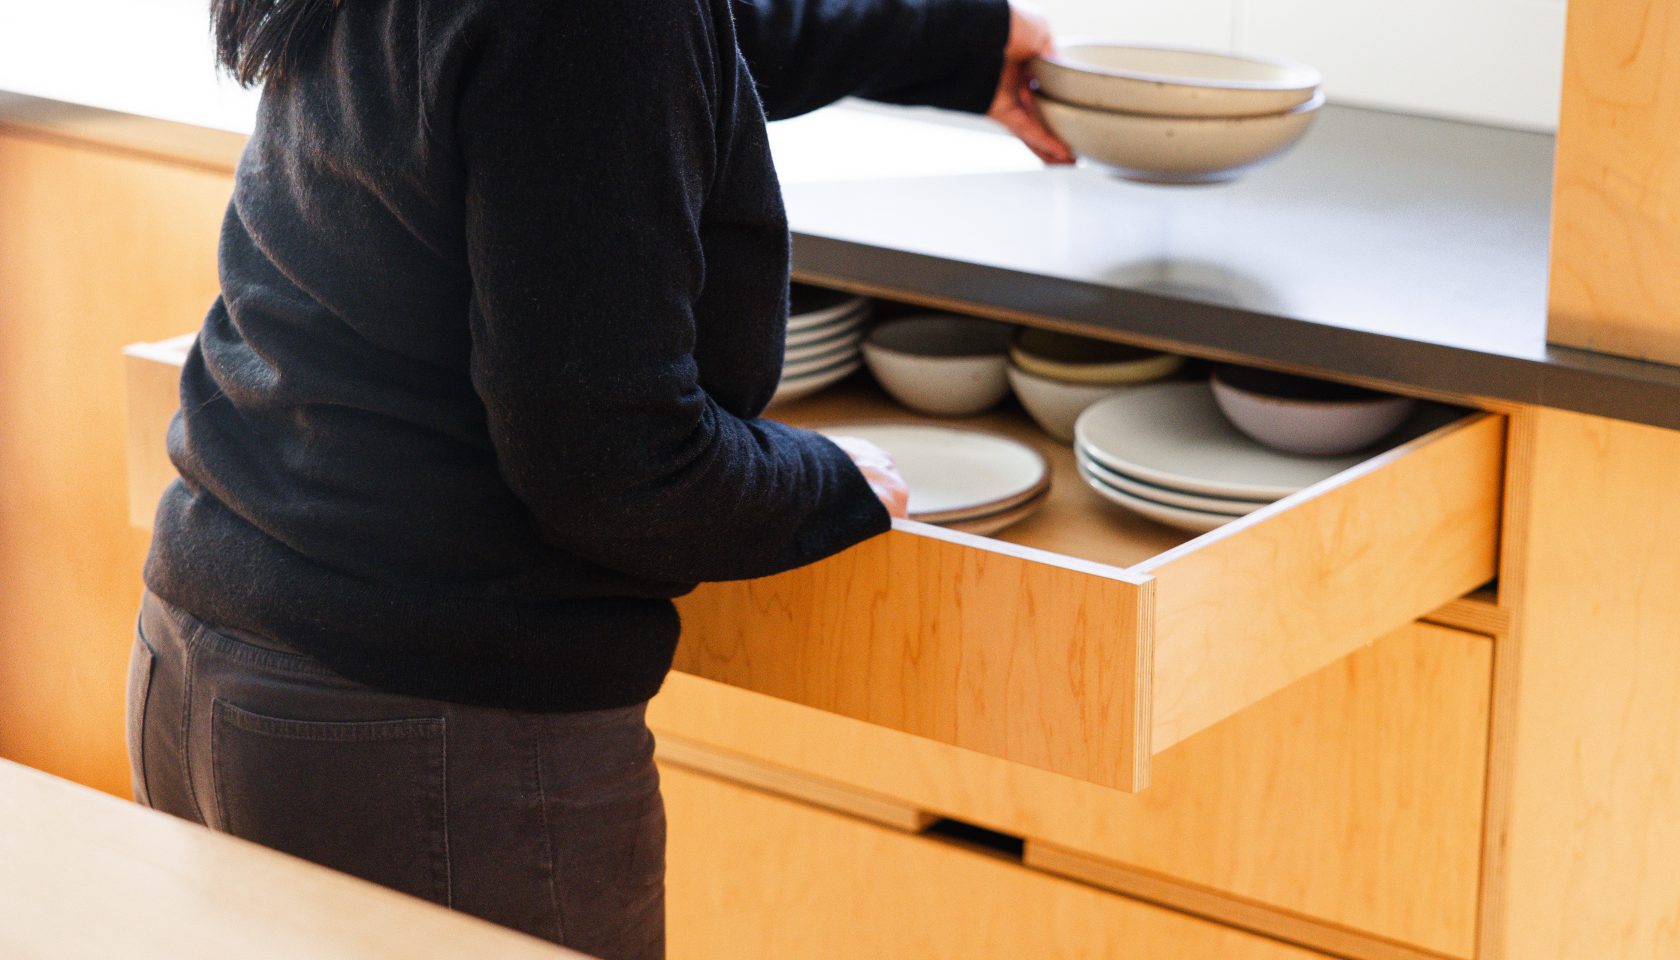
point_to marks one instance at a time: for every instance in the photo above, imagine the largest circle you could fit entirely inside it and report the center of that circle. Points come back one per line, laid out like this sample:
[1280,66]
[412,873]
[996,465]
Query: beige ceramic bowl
[1173,83]
[1086,360]
[1177,149]
[1055,405]
[941,364]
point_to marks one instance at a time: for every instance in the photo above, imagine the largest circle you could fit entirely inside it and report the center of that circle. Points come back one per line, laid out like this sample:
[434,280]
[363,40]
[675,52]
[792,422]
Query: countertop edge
[1567,378]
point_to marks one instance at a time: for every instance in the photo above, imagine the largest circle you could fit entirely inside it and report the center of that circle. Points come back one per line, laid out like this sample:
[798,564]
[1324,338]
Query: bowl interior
[942,336]
[1066,348]
[1188,67]
[1271,385]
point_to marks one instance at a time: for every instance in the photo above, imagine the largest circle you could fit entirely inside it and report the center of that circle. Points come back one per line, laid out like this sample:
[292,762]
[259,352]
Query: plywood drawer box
[753,875]
[1088,640]
[1085,640]
[1349,801]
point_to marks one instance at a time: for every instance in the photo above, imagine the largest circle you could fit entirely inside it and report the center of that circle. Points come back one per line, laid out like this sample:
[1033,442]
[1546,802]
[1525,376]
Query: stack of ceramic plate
[825,329]
[1166,452]
[963,479]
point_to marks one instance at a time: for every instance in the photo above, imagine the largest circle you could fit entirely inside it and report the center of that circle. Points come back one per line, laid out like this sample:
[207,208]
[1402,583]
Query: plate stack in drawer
[824,330]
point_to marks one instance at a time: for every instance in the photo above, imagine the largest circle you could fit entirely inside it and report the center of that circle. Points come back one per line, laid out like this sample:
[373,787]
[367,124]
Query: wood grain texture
[949,637]
[1352,798]
[90,877]
[1616,201]
[1222,908]
[1479,612]
[1588,837]
[98,249]
[1249,608]
[816,791]
[752,875]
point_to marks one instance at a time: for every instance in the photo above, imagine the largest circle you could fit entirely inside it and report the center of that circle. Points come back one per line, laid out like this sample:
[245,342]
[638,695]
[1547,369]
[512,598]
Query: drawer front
[752,875]
[1353,798]
[1088,670]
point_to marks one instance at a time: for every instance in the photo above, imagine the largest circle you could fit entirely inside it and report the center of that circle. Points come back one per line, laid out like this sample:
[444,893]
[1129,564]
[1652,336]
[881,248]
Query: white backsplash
[1492,61]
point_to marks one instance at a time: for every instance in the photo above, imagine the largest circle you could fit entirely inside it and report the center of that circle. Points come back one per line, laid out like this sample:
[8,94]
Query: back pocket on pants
[364,797]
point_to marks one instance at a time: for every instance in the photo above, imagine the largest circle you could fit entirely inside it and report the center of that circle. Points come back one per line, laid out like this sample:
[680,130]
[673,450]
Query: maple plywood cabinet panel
[1369,771]
[753,875]
[99,247]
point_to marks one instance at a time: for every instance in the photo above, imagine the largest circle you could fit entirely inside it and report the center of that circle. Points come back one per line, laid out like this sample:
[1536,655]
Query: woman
[504,285]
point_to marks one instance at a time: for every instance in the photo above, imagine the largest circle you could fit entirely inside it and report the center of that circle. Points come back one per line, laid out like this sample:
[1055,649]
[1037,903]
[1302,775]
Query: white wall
[1493,61]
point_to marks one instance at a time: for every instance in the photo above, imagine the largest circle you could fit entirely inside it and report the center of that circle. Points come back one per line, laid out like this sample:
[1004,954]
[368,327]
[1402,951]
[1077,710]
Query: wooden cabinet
[753,875]
[1085,641]
[1344,811]
[99,247]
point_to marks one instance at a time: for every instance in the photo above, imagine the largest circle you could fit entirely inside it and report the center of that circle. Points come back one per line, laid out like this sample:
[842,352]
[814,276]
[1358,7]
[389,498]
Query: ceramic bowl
[1074,359]
[1303,415]
[1177,149]
[1055,405]
[940,364]
[1173,83]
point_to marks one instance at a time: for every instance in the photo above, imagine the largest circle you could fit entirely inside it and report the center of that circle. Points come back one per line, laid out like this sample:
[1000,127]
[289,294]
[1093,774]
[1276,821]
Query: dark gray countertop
[1385,247]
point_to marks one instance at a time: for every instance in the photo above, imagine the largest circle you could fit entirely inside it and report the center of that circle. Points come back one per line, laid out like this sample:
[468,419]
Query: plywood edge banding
[804,787]
[1219,907]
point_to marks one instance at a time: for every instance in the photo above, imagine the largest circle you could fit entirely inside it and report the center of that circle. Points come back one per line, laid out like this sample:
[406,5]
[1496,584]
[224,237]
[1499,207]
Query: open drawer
[1085,640]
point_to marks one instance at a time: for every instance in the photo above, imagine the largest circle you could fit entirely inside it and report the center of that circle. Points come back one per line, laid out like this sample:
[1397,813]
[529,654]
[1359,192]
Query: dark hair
[261,40]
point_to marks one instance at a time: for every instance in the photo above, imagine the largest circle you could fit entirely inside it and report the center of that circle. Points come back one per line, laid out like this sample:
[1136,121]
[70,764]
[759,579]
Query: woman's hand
[1029,37]
[878,468]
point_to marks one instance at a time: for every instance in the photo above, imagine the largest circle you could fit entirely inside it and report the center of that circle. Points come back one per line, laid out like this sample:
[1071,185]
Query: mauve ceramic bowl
[1177,149]
[1169,82]
[1303,415]
[940,364]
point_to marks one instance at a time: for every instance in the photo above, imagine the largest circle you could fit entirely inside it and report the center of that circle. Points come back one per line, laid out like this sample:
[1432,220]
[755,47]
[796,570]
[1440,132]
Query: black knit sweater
[504,287]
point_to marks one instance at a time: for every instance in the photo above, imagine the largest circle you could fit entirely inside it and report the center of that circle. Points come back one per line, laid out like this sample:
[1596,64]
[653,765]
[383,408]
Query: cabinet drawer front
[752,875]
[946,636]
[1352,799]
[1088,670]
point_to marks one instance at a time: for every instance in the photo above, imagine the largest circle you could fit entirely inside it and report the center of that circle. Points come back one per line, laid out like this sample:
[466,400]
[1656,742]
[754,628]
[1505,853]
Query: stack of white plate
[825,330]
[967,480]
[1166,452]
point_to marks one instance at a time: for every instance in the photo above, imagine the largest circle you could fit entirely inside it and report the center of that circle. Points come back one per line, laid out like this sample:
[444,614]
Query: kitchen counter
[87,875]
[1402,250]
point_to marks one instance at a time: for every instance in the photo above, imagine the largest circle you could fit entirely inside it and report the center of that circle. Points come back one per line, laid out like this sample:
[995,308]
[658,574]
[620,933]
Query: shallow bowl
[1085,360]
[1177,149]
[1055,405]
[1303,415]
[940,364]
[1162,81]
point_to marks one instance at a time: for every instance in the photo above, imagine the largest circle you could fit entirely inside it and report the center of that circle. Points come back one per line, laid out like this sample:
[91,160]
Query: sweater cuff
[971,36]
[851,513]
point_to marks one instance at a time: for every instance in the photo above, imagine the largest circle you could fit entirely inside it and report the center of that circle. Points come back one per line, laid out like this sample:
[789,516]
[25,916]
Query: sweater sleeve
[586,173]
[806,54]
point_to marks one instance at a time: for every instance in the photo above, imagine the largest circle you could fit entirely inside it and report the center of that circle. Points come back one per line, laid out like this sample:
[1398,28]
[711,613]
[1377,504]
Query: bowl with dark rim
[1306,415]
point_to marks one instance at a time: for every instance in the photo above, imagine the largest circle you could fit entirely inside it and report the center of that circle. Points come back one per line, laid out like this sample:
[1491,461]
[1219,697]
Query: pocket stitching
[327,731]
